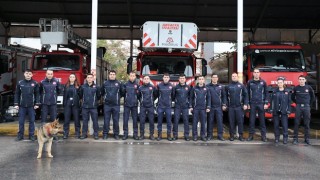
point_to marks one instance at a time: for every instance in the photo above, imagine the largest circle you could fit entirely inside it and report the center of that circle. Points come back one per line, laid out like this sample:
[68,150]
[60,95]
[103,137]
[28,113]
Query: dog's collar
[48,133]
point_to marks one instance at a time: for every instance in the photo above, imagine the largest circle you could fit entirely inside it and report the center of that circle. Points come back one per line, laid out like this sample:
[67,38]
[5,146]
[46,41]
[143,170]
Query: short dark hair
[281,78]
[166,74]
[302,76]
[146,75]
[214,74]
[112,71]
[89,74]
[200,76]
[235,73]
[132,72]
[182,75]
[28,70]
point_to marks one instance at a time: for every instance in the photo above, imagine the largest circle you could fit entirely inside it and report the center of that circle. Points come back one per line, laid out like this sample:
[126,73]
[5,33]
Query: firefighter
[147,95]
[181,97]
[71,102]
[90,95]
[237,97]
[130,93]
[165,92]
[218,105]
[303,96]
[200,105]
[257,92]
[27,99]
[49,90]
[280,108]
[111,93]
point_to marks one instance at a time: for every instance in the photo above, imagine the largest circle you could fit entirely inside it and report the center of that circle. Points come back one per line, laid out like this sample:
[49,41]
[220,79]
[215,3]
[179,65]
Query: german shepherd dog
[45,135]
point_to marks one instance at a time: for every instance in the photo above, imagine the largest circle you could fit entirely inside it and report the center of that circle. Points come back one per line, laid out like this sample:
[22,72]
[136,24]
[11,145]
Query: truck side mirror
[204,67]
[129,65]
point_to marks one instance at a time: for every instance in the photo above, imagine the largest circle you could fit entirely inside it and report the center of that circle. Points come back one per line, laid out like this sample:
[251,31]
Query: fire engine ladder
[62,25]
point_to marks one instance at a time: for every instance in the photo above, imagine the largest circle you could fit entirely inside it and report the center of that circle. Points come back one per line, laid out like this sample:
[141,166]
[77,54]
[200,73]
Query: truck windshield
[174,65]
[56,62]
[278,60]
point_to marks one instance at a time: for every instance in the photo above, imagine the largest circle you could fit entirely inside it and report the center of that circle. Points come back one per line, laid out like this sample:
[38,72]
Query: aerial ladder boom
[60,32]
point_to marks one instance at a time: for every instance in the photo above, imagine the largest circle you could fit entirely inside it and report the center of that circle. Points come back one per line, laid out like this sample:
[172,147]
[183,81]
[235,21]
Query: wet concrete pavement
[89,159]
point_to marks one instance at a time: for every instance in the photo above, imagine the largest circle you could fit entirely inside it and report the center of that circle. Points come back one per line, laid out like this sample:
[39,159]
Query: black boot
[151,137]
[285,140]
[307,141]
[135,137]
[124,137]
[159,137]
[169,137]
[231,137]
[250,138]
[141,136]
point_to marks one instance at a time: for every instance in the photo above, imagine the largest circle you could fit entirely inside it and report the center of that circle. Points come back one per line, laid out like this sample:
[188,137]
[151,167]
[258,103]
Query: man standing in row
[90,95]
[165,92]
[257,91]
[181,93]
[49,90]
[200,105]
[147,95]
[130,93]
[111,92]
[218,103]
[26,99]
[303,96]
[237,103]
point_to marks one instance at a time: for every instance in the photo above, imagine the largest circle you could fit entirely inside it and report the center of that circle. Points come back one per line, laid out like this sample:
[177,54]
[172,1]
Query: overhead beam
[262,35]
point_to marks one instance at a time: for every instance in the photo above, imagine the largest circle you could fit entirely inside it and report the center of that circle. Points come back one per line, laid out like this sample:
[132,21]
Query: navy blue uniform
[130,93]
[181,97]
[147,95]
[280,108]
[71,103]
[90,96]
[165,92]
[237,96]
[218,99]
[111,92]
[303,96]
[49,90]
[200,101]
[257,91]
[26,97]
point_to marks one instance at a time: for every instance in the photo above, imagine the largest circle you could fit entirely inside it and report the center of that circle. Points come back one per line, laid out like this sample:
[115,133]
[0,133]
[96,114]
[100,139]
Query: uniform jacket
[303,95]
[280,101]
[181,96]
[200,98]
[111,92]
[217,94]
[90,95]
[236,95]
[71,96]
[257,91]
[147,95]
[27,93]
[165,93]
[49,90]
[130,93]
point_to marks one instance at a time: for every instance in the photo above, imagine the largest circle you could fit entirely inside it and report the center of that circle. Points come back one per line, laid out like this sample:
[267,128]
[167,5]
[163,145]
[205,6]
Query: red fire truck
[168,47]
[63,62]
[273,60]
